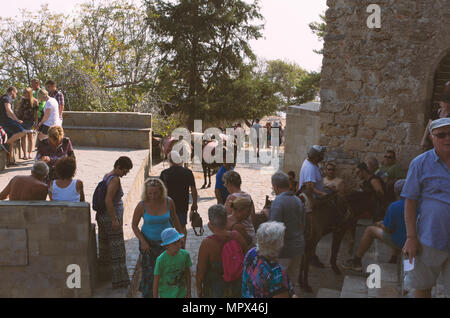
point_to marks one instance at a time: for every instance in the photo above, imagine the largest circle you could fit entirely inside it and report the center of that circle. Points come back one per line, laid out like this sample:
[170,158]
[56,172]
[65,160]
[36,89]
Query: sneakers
[352,264]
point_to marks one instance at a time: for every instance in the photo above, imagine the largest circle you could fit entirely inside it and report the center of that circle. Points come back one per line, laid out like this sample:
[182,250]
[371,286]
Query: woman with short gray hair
[210,281]
[263,276]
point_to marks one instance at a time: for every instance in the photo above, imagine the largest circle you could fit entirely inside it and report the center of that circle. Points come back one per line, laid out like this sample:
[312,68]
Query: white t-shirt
[310,173]
[54,119]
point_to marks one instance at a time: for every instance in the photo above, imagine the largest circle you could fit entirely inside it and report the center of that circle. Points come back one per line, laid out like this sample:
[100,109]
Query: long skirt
[112,256]
[148,267]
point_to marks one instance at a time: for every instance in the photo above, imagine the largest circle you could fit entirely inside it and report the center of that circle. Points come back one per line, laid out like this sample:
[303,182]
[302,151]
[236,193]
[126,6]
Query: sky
[286,34]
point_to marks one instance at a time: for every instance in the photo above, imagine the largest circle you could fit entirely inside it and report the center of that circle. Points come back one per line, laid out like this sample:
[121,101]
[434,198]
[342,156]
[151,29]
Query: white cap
[438,123]
[175,157]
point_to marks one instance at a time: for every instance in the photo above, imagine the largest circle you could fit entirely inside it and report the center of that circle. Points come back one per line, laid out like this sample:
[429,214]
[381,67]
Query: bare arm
[112,188]
[412,243]
[155,286]
[174,217]
[311,186]
[45,117]
[5,193]
[11,114]
[50,191]
[218,196]
[194,198]
[376,184]
[426,134]
[228,201]
[188,282]
[202,266]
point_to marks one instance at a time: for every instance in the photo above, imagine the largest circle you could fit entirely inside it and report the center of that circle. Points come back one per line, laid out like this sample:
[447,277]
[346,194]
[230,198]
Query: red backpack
[232,258]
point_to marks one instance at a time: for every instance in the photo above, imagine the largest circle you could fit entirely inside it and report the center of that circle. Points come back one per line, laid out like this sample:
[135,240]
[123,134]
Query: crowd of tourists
[37,111]
[243,258]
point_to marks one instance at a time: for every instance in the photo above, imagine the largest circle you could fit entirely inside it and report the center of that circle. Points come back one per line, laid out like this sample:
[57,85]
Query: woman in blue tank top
[159,213]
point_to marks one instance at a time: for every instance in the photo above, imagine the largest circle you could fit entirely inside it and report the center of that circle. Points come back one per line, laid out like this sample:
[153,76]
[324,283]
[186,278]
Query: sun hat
[169,236]
[438,123]
[175,157]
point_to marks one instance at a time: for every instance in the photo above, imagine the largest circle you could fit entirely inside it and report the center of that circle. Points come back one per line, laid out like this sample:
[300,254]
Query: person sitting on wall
[53,148]
[28,188]
[65,187]
[391,231]
[390,172]
[293,185]
[10,123]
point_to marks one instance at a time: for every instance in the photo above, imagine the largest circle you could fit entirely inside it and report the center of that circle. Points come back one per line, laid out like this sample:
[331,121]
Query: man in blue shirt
[221,191]
[391,231]
[428,234]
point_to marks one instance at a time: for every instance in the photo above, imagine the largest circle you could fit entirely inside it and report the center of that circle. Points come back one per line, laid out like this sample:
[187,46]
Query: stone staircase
[355,284]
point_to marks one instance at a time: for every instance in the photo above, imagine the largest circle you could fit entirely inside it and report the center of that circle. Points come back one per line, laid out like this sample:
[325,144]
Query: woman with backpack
[241,208]
[220,259]
[112,257]
[159,213]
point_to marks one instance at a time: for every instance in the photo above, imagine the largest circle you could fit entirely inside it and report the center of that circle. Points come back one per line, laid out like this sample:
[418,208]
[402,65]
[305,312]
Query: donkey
[332,214]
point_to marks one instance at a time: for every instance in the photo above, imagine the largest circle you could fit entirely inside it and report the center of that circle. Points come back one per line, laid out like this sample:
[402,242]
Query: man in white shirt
[310,176]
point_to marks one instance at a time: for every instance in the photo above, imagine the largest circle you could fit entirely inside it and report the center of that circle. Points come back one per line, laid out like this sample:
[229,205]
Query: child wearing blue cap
[172,270]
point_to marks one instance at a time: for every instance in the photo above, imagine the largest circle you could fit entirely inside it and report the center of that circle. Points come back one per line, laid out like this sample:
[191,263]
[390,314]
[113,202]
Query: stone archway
[441,76]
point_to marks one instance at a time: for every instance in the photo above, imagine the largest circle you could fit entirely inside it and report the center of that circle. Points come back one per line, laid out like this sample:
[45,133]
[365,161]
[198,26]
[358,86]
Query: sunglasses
[389,157]
[442,135]
[331,170]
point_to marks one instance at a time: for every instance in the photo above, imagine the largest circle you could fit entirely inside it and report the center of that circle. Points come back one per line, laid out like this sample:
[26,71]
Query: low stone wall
[38,241]
[109,130]
[302,132]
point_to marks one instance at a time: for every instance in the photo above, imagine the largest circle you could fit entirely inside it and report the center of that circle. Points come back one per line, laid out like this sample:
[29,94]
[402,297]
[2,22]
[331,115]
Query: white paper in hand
[407,267]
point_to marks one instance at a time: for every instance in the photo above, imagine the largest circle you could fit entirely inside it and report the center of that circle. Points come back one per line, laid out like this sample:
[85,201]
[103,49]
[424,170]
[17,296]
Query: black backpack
[98,198]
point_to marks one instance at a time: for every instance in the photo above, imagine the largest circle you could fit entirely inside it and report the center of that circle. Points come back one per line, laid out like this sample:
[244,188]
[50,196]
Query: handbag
[196,221]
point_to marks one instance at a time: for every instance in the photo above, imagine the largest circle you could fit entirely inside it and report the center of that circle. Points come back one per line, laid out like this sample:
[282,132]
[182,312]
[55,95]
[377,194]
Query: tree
[319,29]
[284,76]
[205,45]
[307,87]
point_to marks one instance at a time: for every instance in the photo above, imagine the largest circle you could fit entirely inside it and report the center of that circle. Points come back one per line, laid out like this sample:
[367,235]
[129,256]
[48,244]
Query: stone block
[355,144]
[83,232]
[383,136]
[365,133]
[347,120]
[78,215]
[377,123]
[38,232]
[13,247]
[60,232]
[328,293]
[354,285]
[51,248]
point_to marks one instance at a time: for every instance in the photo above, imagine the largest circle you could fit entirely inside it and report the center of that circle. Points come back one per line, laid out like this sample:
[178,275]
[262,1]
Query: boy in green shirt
[172,269]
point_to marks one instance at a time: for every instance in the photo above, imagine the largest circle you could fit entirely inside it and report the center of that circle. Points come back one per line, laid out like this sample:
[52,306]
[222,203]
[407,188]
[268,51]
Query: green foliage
[307,87]
[205,45]
[103,58]
[319,29]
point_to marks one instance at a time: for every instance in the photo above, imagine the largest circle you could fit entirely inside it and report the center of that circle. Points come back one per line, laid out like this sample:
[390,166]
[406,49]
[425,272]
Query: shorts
[27,125]
[387,239]
[44,129]
[429,264]
[12,127]
[182,216]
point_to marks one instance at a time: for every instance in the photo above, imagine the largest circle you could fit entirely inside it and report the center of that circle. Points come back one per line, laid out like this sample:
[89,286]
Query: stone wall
[377,84]
[302,132]
[109,130]
[38,240]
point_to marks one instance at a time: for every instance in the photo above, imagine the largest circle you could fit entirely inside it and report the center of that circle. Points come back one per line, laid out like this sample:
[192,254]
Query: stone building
[379,86]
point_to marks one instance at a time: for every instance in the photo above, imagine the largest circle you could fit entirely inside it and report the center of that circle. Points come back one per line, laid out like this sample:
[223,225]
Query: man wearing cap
[391,231]
[310,176]
[178,181]
[427,214]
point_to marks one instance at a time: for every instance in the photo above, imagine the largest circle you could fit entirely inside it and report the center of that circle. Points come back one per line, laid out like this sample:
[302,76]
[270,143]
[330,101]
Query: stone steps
[328,293]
